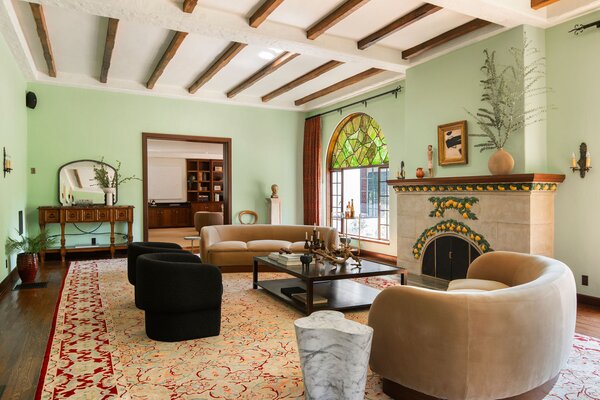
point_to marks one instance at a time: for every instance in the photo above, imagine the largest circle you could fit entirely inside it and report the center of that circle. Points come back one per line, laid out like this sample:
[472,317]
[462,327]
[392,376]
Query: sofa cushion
[297,247]
[267,245]
[228,246]
[475,285]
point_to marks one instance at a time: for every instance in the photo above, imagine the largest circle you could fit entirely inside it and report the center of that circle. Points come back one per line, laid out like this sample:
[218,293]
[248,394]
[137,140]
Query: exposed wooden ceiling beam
[263,12]
[340,85]
[444,38]
[189,5]
[277,63]
[315,73]
[109,45]
[221,61]
[166,58]
[42,31]
[334,17]
[537,4]
[400,23]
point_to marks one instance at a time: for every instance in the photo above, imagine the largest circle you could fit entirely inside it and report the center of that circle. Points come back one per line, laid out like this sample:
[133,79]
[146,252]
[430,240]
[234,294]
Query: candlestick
[588,159]
[573,161]
[305,235]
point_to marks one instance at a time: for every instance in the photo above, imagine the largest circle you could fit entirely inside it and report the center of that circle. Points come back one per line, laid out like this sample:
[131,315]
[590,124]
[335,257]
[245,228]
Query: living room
[428,75]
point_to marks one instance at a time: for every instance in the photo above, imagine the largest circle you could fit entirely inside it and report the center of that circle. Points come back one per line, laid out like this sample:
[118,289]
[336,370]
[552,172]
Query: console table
[73,214]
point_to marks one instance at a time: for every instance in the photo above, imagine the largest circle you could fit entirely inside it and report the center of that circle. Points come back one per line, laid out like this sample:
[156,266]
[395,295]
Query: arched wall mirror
[76,183]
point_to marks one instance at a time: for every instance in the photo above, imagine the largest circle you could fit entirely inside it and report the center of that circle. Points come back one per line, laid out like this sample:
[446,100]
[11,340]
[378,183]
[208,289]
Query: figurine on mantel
[274,190]
[430,160]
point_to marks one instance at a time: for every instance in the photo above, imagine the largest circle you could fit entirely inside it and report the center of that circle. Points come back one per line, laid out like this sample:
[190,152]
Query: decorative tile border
[462,205]
[451,226]
[503,187]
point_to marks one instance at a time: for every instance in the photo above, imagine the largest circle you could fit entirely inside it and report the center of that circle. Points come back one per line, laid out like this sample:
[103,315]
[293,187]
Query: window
[358,170]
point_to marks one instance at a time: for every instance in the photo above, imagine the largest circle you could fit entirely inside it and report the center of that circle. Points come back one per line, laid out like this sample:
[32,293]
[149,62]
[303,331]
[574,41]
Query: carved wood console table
[73,214]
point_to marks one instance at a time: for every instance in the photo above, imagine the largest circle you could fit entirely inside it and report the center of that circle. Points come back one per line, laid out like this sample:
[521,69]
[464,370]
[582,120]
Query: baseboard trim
[9,282]
[589,300]
[382,258]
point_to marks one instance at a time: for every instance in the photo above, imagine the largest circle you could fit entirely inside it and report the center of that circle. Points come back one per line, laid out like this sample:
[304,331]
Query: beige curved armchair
[477,344]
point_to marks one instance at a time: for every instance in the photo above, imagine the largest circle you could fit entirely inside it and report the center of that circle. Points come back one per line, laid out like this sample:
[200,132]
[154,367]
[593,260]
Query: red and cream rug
[98,348]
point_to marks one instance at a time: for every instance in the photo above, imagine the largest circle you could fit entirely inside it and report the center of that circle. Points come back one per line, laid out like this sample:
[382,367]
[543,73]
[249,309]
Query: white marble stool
[334,355]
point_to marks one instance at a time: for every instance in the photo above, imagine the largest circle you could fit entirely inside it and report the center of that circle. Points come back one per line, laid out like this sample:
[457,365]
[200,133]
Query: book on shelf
[317,300]
[289,291]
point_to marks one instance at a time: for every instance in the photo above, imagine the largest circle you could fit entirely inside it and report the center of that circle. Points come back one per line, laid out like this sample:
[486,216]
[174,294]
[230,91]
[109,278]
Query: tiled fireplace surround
[513,212]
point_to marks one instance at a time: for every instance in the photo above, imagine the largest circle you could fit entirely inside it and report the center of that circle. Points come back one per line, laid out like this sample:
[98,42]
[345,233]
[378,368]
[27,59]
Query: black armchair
[136,249]
[181,296]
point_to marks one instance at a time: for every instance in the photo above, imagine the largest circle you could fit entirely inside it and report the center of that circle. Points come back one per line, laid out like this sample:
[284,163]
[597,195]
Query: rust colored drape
[312,171]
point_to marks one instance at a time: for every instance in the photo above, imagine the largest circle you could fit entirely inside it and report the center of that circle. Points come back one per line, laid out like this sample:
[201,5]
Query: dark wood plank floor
[26,318]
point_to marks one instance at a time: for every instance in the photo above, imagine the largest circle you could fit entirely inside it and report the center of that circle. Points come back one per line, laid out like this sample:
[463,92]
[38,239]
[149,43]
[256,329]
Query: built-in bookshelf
[205,181]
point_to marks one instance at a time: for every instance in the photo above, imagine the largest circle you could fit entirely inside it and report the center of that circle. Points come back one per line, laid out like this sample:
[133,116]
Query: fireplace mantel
[492,212]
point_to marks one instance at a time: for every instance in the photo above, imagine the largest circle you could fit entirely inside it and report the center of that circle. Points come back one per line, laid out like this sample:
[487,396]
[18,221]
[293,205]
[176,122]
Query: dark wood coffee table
[337,286]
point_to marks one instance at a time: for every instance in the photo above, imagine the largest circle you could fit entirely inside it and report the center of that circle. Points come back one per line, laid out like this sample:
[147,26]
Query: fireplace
[448,257]
[445,223]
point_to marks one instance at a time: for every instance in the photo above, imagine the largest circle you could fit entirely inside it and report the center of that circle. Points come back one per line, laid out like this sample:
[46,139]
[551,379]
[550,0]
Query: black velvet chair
[181,296]
[136,249]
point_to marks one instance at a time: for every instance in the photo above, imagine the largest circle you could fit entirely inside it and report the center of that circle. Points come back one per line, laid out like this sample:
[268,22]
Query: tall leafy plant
[103,178]
[505,89]
[29,244]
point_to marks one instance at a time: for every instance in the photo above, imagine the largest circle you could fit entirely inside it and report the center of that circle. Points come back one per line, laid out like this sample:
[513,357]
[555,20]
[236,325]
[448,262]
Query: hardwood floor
[26,318]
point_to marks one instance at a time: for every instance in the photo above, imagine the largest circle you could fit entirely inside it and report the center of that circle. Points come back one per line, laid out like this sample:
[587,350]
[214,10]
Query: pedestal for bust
[334,355]
[274,213]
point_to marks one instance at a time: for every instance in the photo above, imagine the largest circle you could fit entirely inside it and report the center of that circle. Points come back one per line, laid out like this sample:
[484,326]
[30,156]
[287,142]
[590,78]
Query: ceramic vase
[109,195]
[501,163]
[420,173]
[27,267]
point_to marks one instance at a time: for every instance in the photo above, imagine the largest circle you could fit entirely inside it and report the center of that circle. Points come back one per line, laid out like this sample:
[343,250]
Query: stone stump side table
[334,355]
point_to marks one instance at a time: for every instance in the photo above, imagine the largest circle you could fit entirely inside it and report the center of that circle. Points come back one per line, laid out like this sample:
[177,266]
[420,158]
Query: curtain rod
[363,102]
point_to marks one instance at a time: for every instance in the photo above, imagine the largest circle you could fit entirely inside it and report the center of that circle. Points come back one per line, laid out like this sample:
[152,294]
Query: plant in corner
[28,248]
[505,110]
[106,182]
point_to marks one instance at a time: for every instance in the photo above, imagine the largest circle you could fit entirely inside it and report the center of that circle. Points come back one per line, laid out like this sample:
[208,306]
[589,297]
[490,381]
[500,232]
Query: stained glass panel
[360,143]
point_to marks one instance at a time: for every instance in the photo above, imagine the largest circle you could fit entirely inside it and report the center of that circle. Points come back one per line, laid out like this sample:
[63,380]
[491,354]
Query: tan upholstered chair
[207,218]
[477,340]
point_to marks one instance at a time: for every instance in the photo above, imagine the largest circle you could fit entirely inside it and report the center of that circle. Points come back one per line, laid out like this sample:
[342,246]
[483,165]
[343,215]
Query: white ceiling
[77,31]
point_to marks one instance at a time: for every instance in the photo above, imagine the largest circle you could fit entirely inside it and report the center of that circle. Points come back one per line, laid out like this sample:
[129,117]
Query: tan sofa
[479,340]
[236,245]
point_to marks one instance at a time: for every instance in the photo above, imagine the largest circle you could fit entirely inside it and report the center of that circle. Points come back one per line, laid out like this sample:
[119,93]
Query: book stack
[286,259]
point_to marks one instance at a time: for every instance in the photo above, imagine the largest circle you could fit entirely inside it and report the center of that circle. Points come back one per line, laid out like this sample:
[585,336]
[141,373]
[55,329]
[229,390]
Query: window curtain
[312,171]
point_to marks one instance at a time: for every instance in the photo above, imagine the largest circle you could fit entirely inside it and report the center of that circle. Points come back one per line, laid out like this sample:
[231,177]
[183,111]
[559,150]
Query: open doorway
[183,175]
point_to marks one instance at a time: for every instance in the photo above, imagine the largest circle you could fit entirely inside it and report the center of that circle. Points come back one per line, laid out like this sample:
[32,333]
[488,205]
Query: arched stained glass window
[359,143]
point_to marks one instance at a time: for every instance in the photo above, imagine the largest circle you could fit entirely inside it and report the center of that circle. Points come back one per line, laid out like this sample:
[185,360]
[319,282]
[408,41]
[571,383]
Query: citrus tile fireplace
[445,223]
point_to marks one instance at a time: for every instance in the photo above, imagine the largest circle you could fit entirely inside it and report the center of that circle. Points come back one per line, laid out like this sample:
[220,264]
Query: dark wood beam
[445,38]
[109,45]
[221,61]
[340,85]
[166,58]
[263,12]
[189,5]
[315,73]
[347,8]
[42,31]
[277,63]
[400,23]
[537,4]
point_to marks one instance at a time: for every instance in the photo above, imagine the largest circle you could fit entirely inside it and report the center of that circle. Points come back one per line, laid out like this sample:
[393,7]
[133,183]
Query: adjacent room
[287,199]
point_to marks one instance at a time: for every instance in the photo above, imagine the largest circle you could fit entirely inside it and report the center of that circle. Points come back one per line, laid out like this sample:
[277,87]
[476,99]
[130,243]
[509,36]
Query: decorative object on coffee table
[27,259]
[453,147]
[315,245]
[306,259]
[334,355]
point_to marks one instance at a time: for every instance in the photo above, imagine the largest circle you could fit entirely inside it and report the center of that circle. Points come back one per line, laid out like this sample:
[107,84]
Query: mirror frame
[90,161]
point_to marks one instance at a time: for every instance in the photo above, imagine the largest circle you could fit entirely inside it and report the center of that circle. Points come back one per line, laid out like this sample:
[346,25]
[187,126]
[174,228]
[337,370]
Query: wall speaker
[21,222]
[31,100]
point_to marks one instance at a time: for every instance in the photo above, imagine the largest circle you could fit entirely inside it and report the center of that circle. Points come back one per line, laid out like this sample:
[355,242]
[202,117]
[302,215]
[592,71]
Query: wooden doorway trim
[226,142]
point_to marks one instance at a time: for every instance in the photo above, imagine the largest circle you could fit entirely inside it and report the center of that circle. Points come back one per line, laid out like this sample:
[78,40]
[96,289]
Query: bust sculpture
[274,190]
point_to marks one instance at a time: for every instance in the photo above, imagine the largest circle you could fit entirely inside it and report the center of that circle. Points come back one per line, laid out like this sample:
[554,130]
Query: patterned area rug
[98,348]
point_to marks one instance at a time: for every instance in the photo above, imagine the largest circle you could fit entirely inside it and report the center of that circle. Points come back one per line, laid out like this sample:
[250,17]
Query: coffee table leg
[309,297]
[254,274]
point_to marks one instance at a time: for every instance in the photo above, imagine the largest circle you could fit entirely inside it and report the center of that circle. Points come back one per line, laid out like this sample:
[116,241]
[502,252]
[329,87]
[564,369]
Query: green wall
[573,73]
[13,136]
[71,124]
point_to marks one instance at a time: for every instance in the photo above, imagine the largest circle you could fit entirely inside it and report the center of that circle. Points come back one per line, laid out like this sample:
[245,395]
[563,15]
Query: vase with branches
[505,111]
[110,183]
[27,249]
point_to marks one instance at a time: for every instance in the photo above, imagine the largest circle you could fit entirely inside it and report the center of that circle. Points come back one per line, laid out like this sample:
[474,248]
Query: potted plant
[109,183]
[505,111]
[28,248]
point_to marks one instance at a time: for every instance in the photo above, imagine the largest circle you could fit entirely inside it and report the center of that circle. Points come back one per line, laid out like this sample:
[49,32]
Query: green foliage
[103,179]
[461,204]
[29,244]
[505,89]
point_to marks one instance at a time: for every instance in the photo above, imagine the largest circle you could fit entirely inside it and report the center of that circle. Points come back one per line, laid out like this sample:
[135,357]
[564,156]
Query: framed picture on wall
[453,146]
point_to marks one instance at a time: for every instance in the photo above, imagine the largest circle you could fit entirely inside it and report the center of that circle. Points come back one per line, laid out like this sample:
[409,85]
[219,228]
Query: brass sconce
[582,165]
[6,162]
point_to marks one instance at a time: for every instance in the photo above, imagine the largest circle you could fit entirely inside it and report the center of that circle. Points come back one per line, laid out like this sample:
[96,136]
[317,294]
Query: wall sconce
[6,162]
[582,165]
